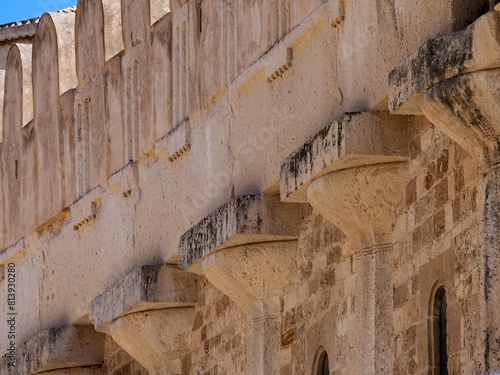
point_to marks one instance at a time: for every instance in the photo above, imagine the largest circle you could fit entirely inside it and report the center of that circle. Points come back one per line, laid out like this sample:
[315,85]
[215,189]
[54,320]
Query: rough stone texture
[157,339]
[244,220]
[361,201]
[436,244]
[57,349]
[475,48]
[105,183]
[146,288]
[464,108]
[353,139]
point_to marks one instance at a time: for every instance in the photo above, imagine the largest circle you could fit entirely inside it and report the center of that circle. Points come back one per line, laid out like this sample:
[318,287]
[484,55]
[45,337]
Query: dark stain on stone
[302,161]
[465,12]
[491,222]
[54,334]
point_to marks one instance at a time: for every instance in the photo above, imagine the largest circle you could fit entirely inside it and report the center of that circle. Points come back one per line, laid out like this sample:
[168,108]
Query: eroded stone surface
[475,48]
[256,79]
[145,288]
[58,349]
[158,339]
[362,201]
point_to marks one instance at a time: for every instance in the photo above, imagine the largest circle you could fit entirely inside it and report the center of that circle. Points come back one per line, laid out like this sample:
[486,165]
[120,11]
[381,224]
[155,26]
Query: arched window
[438,354]
[323,366]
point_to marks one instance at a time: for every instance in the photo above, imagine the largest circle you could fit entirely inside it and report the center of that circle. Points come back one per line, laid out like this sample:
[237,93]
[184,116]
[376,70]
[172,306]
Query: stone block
[243,220]
[145,288]
[13,250]
[58,348]
[475,48]
[352,140]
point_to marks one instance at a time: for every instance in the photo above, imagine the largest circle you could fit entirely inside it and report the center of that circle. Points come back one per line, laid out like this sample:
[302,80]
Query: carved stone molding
[361,201]
[60,351]
[473,49]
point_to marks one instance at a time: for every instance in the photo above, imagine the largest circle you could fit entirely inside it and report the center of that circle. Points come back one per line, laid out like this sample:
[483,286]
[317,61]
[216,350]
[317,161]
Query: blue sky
[18,10]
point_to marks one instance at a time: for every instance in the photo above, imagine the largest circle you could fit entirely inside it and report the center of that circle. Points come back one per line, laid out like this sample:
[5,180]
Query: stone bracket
[84,209]
[352,140]
[243,220]
[126,179]
[475,48]
[59,348]
[10,252]
[145,288]
[337,11]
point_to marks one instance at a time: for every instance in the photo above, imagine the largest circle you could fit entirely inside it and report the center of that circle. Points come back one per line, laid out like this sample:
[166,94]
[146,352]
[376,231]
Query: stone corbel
[460,97]
[473,49]
[354,173]
[68,350]
[150,313]
[247,249]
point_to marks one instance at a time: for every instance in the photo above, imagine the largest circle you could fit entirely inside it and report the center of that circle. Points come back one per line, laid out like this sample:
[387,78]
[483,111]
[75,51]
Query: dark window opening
[437,329]
[323,366]
[16,168]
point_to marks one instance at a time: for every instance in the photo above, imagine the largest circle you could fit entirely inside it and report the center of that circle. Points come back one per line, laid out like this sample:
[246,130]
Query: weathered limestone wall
[130,127]
[437,244]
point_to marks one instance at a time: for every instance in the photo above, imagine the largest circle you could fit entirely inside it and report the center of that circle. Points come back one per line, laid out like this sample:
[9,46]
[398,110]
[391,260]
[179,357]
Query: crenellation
[136,23]
[53,60]
[138,77]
